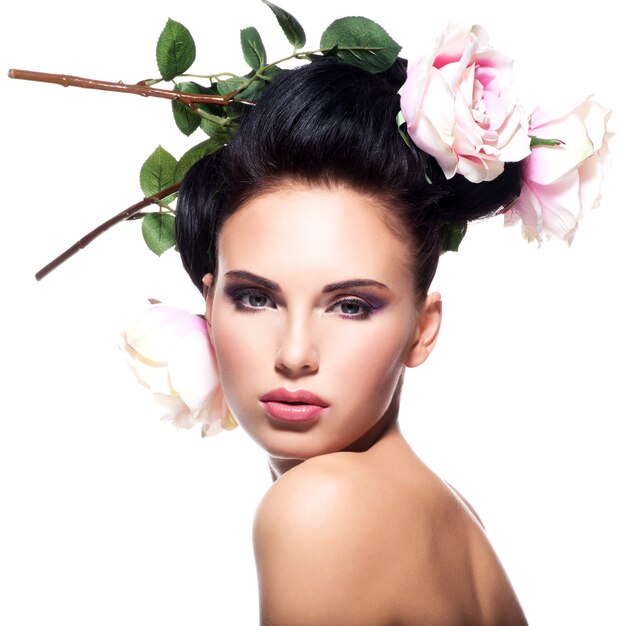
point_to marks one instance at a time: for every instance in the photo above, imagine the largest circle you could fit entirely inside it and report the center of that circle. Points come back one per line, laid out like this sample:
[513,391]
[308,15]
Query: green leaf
[272,71]
[234,110]
[157,172]
[231,84]
[253,48]
[453,235]
[175,51]
[193,155]
[159,232]
[220,133]
[186,118]
[207,107]
[361,42]
[314,57]
[290,25]
[251,92]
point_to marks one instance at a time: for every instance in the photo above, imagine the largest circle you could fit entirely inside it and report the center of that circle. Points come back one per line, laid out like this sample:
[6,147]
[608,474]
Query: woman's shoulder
[348,487]
[334,481]
[336,541]
[323,496]
[342,491]
[317,545]
[340,540]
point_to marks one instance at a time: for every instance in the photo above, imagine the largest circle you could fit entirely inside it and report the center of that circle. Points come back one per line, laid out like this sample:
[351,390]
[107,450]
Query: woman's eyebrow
[259,280]
[355,282]
[272,286]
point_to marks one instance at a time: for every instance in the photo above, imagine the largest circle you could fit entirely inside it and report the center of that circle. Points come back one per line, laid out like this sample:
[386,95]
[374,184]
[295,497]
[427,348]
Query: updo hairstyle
[329,123]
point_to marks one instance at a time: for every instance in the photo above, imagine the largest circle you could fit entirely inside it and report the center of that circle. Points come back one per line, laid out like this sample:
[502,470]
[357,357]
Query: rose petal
[413,90]
[152,375]
[510,217]
[228,421]
[483,38]
[192,372]
[464,68]
[498,64]
[466,126]
[540,116]
[173,409]
[435,137]
[465,90]
[528,209]
[595,117]
[590,175]
[155,333]
[513,139]
[211,429]
[560,206]
[451,44]
[495,109]
[548,164]
[477,170]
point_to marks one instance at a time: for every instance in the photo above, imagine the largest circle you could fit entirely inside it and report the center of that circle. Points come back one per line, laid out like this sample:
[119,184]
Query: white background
[111,517]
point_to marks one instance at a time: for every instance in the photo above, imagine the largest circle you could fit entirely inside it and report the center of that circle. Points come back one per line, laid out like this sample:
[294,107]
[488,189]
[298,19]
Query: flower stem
[209,76]
[96,232]
[538,141]
[120,87]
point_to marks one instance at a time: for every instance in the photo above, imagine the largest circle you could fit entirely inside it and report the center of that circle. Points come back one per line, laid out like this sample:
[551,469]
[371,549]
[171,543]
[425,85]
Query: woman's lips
[293,406]
[293,412]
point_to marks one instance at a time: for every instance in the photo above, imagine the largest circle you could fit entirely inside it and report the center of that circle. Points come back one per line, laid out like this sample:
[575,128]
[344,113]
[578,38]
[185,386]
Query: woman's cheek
[370,359]
[236,342]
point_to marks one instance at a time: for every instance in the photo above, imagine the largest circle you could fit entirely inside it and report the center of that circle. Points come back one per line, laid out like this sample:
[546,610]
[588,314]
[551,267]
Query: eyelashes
[256,299]
[252,300]
[353,302]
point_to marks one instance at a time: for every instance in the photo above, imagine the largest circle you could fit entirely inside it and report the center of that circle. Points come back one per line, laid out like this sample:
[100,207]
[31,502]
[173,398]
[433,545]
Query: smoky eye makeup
[252,300]
[251,296]
[246,298]
[348,306]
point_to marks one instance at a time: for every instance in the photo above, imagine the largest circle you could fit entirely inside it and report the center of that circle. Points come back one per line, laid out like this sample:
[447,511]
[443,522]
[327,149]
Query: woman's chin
[298,442]
[304,440]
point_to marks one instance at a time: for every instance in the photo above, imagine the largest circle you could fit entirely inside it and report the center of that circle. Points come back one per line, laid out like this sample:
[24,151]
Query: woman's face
[280,317]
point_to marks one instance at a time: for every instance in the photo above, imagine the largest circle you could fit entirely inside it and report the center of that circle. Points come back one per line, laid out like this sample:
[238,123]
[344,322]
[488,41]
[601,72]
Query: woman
[114,520]
[323,230]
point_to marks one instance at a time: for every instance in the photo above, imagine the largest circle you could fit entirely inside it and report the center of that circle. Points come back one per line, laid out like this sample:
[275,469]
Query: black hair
[330,123]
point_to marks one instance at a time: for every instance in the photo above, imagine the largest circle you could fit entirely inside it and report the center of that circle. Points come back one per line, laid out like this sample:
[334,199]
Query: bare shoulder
[335,487]
[316,546]
[321,480]
[339,540]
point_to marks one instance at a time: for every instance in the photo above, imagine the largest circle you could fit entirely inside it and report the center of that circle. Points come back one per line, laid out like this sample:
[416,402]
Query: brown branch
[89,237]
[139,89]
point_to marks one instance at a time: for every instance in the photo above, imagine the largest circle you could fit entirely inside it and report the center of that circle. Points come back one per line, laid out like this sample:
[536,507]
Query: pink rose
[459,106]
[170,353]
[562,182]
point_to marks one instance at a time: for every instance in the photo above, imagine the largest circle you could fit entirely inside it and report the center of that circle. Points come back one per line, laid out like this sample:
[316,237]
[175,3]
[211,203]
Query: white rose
[169,351]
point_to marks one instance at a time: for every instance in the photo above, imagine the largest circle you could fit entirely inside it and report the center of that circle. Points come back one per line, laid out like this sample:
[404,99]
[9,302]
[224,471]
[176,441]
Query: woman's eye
[246,299]
[255,300]
[353,308]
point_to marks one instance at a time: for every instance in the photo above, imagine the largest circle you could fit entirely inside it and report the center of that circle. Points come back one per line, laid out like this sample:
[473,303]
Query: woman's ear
[427,331]
[207,292]
[207,280]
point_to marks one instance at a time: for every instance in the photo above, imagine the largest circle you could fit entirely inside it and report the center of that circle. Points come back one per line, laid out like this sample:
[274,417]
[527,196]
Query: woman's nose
[298,352]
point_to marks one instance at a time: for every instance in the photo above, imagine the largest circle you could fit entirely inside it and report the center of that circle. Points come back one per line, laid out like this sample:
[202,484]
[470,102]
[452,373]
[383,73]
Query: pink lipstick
[293,406]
